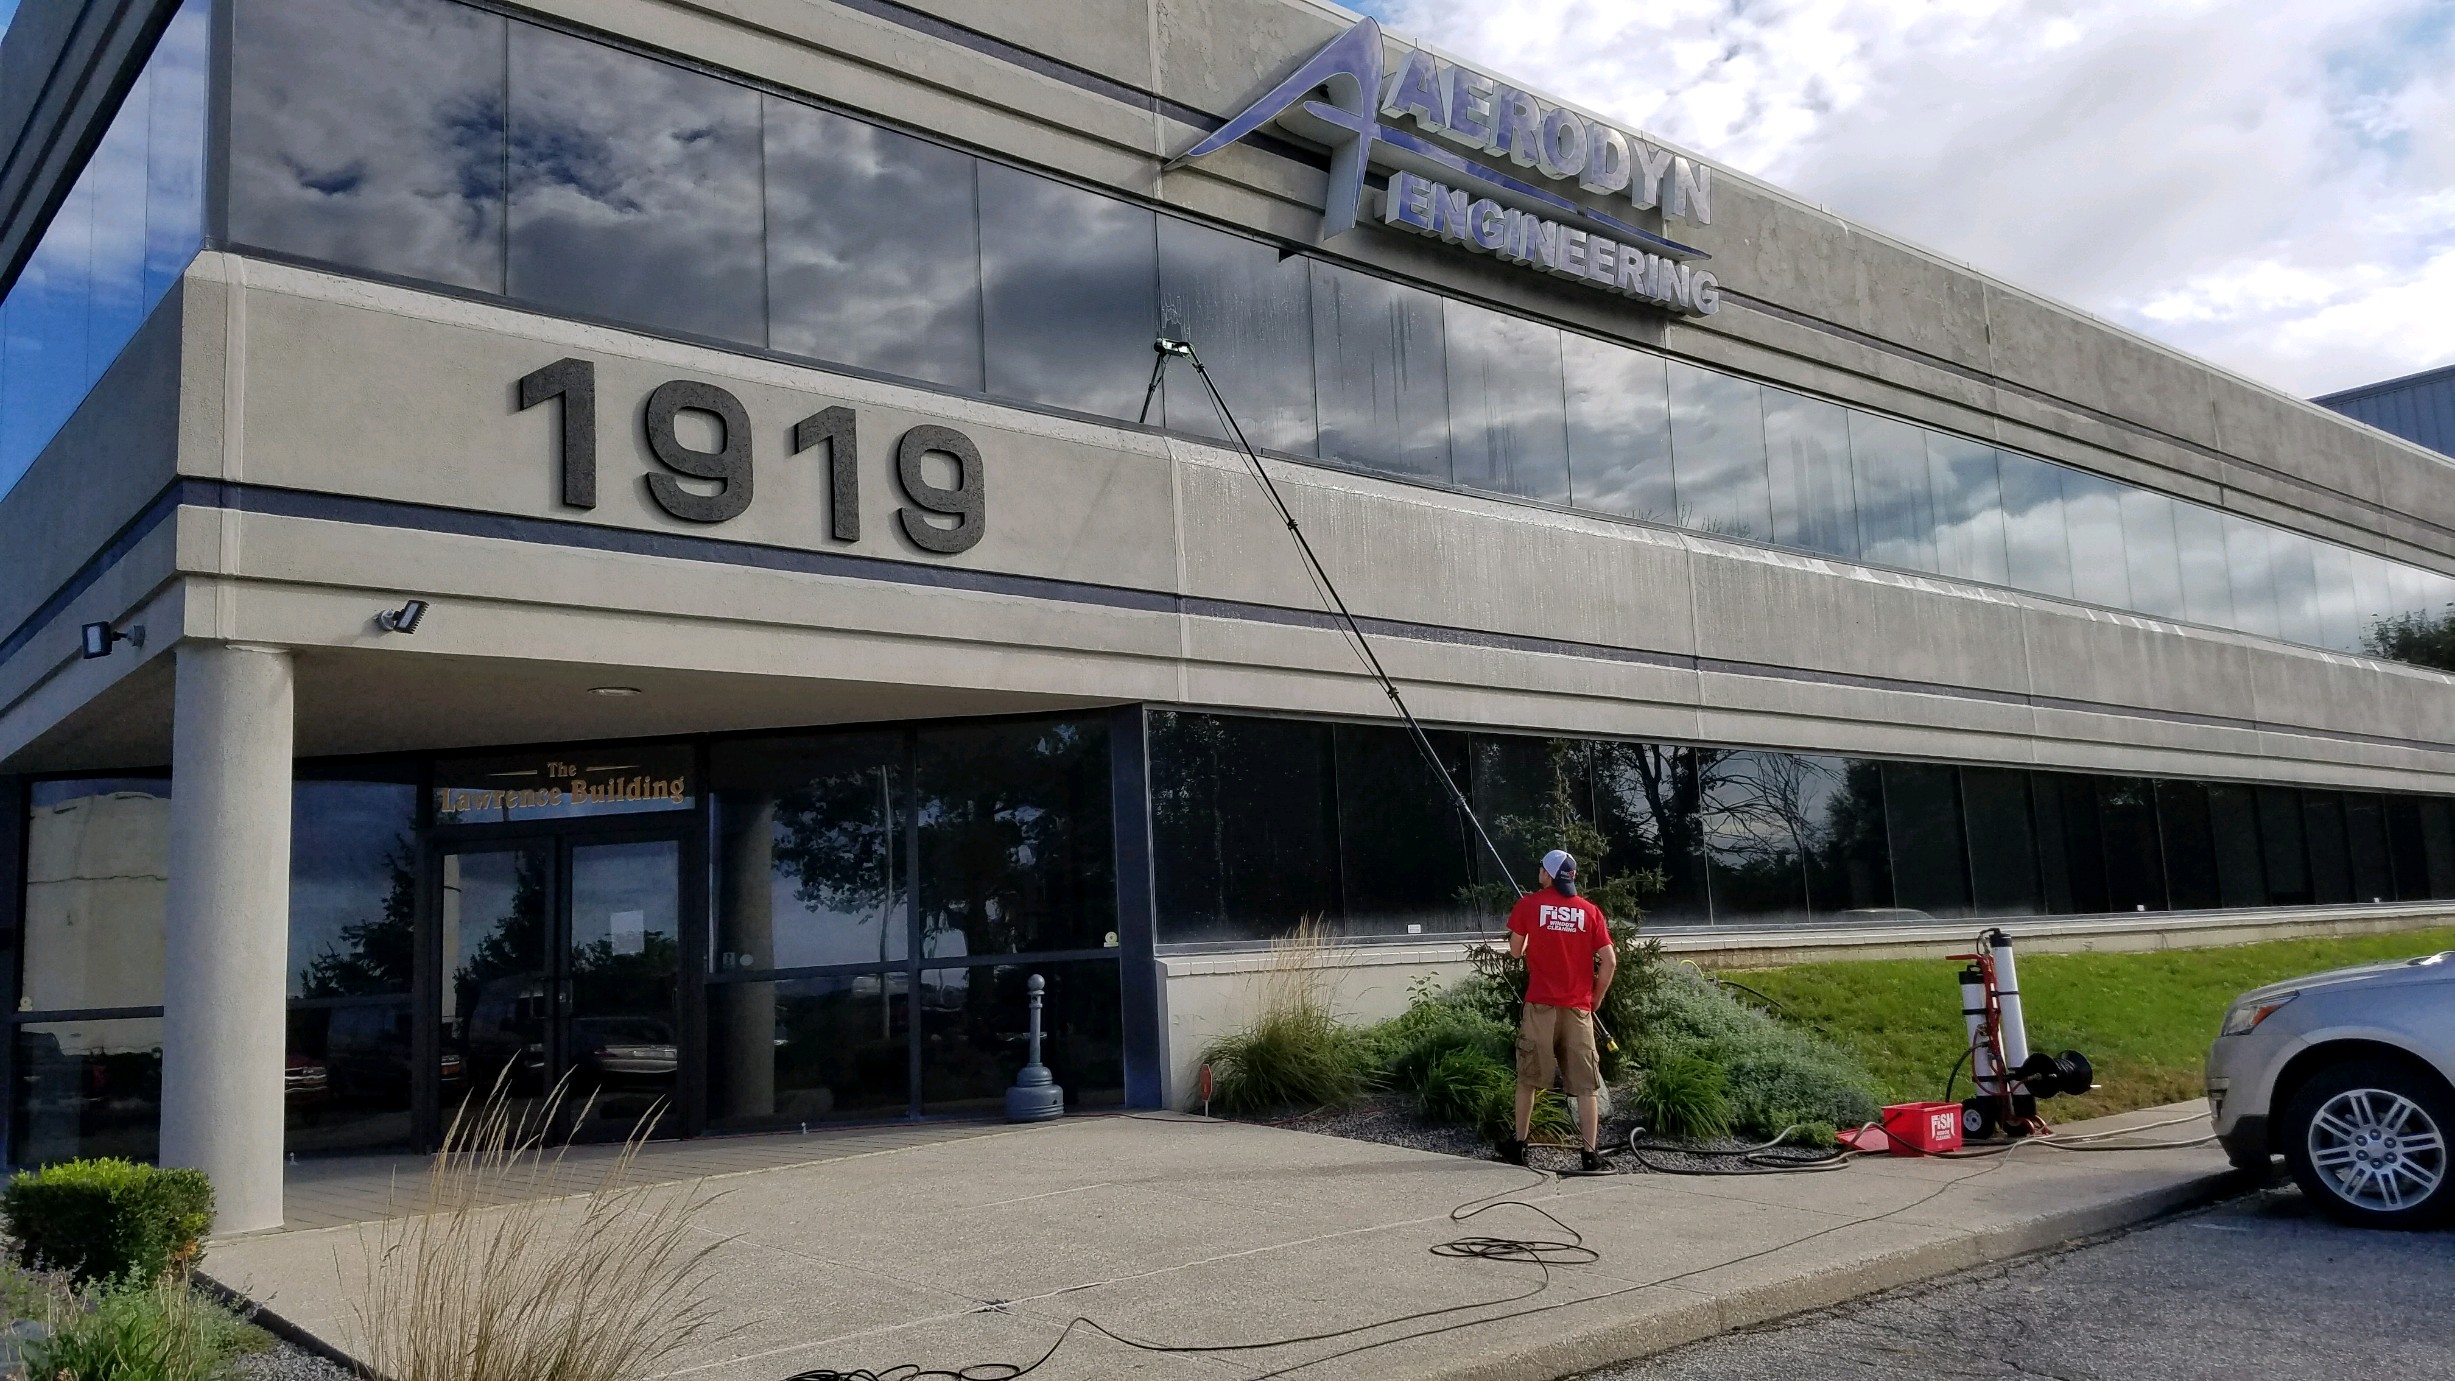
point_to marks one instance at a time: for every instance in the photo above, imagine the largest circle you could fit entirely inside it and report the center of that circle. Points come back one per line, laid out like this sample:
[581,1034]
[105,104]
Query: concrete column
[227,933]
[745,1025]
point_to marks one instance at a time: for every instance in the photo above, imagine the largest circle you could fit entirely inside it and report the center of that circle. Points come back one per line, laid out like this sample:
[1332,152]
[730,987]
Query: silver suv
[2350,1075]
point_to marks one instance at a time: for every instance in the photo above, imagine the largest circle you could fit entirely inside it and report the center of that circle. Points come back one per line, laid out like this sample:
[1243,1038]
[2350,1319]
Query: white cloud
[2262,182]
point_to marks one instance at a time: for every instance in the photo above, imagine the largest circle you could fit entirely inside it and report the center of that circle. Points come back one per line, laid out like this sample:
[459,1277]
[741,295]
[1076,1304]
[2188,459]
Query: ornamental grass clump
[1295,1055]
[510,1272]
[1470,1088]
[1684,1096]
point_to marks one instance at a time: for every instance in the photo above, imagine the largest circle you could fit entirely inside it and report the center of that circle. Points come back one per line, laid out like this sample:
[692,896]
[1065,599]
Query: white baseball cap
[1558,862]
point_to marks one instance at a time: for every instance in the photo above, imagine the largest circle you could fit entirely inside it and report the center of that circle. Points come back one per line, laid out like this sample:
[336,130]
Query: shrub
[1685,1096]
[1400,1052]
[1295,1056]
[1776,1075]
[130,1331]
[1470,1088]
[109,1219]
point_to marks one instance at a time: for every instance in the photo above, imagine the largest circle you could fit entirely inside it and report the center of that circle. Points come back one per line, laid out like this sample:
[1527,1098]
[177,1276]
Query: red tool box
[1918,1129]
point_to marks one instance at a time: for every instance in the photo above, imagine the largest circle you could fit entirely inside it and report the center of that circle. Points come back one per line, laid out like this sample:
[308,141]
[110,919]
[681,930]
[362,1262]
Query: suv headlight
[2246,1016]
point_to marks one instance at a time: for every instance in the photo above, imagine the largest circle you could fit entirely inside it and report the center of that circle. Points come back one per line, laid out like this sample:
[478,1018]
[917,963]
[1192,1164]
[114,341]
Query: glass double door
[560,969]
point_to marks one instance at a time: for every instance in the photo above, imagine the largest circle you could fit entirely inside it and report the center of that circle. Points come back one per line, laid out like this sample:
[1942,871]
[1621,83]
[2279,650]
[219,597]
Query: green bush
[161,1331]
[1684,1096]
[1296,1056]
[108,1219]
[1400,1052]
[1776,1075]
[1470,1088]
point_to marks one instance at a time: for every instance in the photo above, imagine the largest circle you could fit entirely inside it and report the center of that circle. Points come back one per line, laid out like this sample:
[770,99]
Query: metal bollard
[1035,1096]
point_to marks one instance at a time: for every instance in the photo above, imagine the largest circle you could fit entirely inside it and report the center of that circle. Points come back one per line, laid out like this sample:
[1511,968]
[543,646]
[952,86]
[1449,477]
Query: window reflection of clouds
[2092,511]
[1718,453]
[1896,496]
[2251,563]
[1378,365]
[1968,508]
[635,189]
[2036,543]
[1807,444]
[371,132]
[2148,552]
[873,247]
[1619,429]
[1507,431]
[2334,598]
[1070,293]
[2207,587]
[1249,310]
[2297,588]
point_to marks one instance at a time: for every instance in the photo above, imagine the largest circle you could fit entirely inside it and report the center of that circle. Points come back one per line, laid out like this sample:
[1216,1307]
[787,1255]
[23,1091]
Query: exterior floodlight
[100,638]
[402,620]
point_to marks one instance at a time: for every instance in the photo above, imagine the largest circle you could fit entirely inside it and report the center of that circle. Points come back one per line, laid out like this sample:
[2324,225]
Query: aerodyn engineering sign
[1437,192]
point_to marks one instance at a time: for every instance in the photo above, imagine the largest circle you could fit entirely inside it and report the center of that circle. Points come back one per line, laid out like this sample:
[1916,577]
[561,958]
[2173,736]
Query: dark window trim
[66,1014]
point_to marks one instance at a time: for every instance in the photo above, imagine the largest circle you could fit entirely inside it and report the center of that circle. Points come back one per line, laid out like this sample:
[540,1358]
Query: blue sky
[2269,184]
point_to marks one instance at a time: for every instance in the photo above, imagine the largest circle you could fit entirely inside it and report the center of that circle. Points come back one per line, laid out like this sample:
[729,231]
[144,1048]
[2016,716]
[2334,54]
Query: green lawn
[2144,1019]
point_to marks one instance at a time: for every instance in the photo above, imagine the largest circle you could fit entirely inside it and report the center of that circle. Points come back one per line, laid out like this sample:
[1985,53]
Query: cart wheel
[1977,1118]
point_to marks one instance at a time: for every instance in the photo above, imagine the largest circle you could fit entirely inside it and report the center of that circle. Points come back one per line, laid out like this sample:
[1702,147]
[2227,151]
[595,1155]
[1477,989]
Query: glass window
[2404,844]
[1519,777]
[1244,826]
[2438,845]
[1807,442]
[353,888]
[1406,854]
[2002,849]
[2092,511]
[2331,863]
[1507,431]
[1017,840]
[2149,553]
[1649,800]
[1756,835]
[2070,844]
[2365,839]
[975,1034]
[175,147]
[497,931]
[1968,509]
[635,189]
[1249,310]
[1718,453]
[370,133]
[1069,293]
[346,1076]
[1619,429]
[2233,829]
[873,247]
[1930,856]
[87,1088]
[1896,494]
[2336,599]
[42,377]
[810,852]
[97,884]
[2184,830]
[2207,583]
[2280,843]
[115,277]
[807,1050]
[1379,374]
[2127,821]
[2037,546]
[2250,561]
[2373,596]
[1849,867]
[2298,616]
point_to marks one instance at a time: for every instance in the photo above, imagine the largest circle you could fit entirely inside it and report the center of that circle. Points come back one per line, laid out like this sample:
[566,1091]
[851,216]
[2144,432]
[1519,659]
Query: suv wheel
[2368,1143]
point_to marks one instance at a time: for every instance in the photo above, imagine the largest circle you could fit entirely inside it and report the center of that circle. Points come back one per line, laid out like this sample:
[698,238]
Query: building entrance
[561,965]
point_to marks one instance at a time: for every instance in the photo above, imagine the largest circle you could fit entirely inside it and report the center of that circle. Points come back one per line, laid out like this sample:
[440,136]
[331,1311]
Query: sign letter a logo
[1348,71]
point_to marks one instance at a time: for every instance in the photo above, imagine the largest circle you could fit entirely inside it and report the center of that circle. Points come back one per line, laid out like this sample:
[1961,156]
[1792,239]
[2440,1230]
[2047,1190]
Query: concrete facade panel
[1785,610]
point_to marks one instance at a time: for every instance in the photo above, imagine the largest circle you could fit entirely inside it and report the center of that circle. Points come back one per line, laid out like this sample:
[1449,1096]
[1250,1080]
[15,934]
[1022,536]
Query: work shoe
[1593,1163]
[1512,1150]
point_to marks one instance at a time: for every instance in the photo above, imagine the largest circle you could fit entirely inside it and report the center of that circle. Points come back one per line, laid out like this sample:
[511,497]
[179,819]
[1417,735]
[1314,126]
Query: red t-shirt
[1562,936]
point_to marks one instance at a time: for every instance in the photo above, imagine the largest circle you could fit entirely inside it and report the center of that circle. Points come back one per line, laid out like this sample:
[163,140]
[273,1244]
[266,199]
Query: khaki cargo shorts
[1558,1041]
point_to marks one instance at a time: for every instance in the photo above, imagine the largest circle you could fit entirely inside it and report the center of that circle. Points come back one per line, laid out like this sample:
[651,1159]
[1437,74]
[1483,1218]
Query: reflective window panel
[1718,453]
[2281,845]
[2036,542]
[86,1088]
[1248,309]
[353,888]
[2127,820]
[2409,855]
[873,247]
[2186,832]
[1969,540]
[1017,849]
[802,1050]
[2149,553]
[2002,846]
[2250,560]
[2070,845]
[2331,862]
[2298,616]
[2233,829]
[1380,374]
[635,189]
[811,859]
[2207,583]
[2438,845]
[975,1034]
[1649,799]
[622,1037]
[1070,293]
[1507,431]
[1243,825]
[371,133]
[346,1076]
[1756,814]
[2092,512]
[1619,429]
[1406,853]
[1930,860]
[1896,493]
[97,884]
[1807,443]
[2335,598]
[497,923]
[1842,806]
[2365,838]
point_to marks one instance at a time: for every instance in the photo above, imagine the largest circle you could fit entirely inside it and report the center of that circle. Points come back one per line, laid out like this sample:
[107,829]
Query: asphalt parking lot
[2258,1286]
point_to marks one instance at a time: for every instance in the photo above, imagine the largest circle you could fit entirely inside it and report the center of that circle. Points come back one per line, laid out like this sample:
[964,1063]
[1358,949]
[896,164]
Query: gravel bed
[286,1363]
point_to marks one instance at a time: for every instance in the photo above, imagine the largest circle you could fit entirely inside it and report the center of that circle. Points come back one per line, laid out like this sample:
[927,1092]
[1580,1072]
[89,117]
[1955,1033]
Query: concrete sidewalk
[1184,1232]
